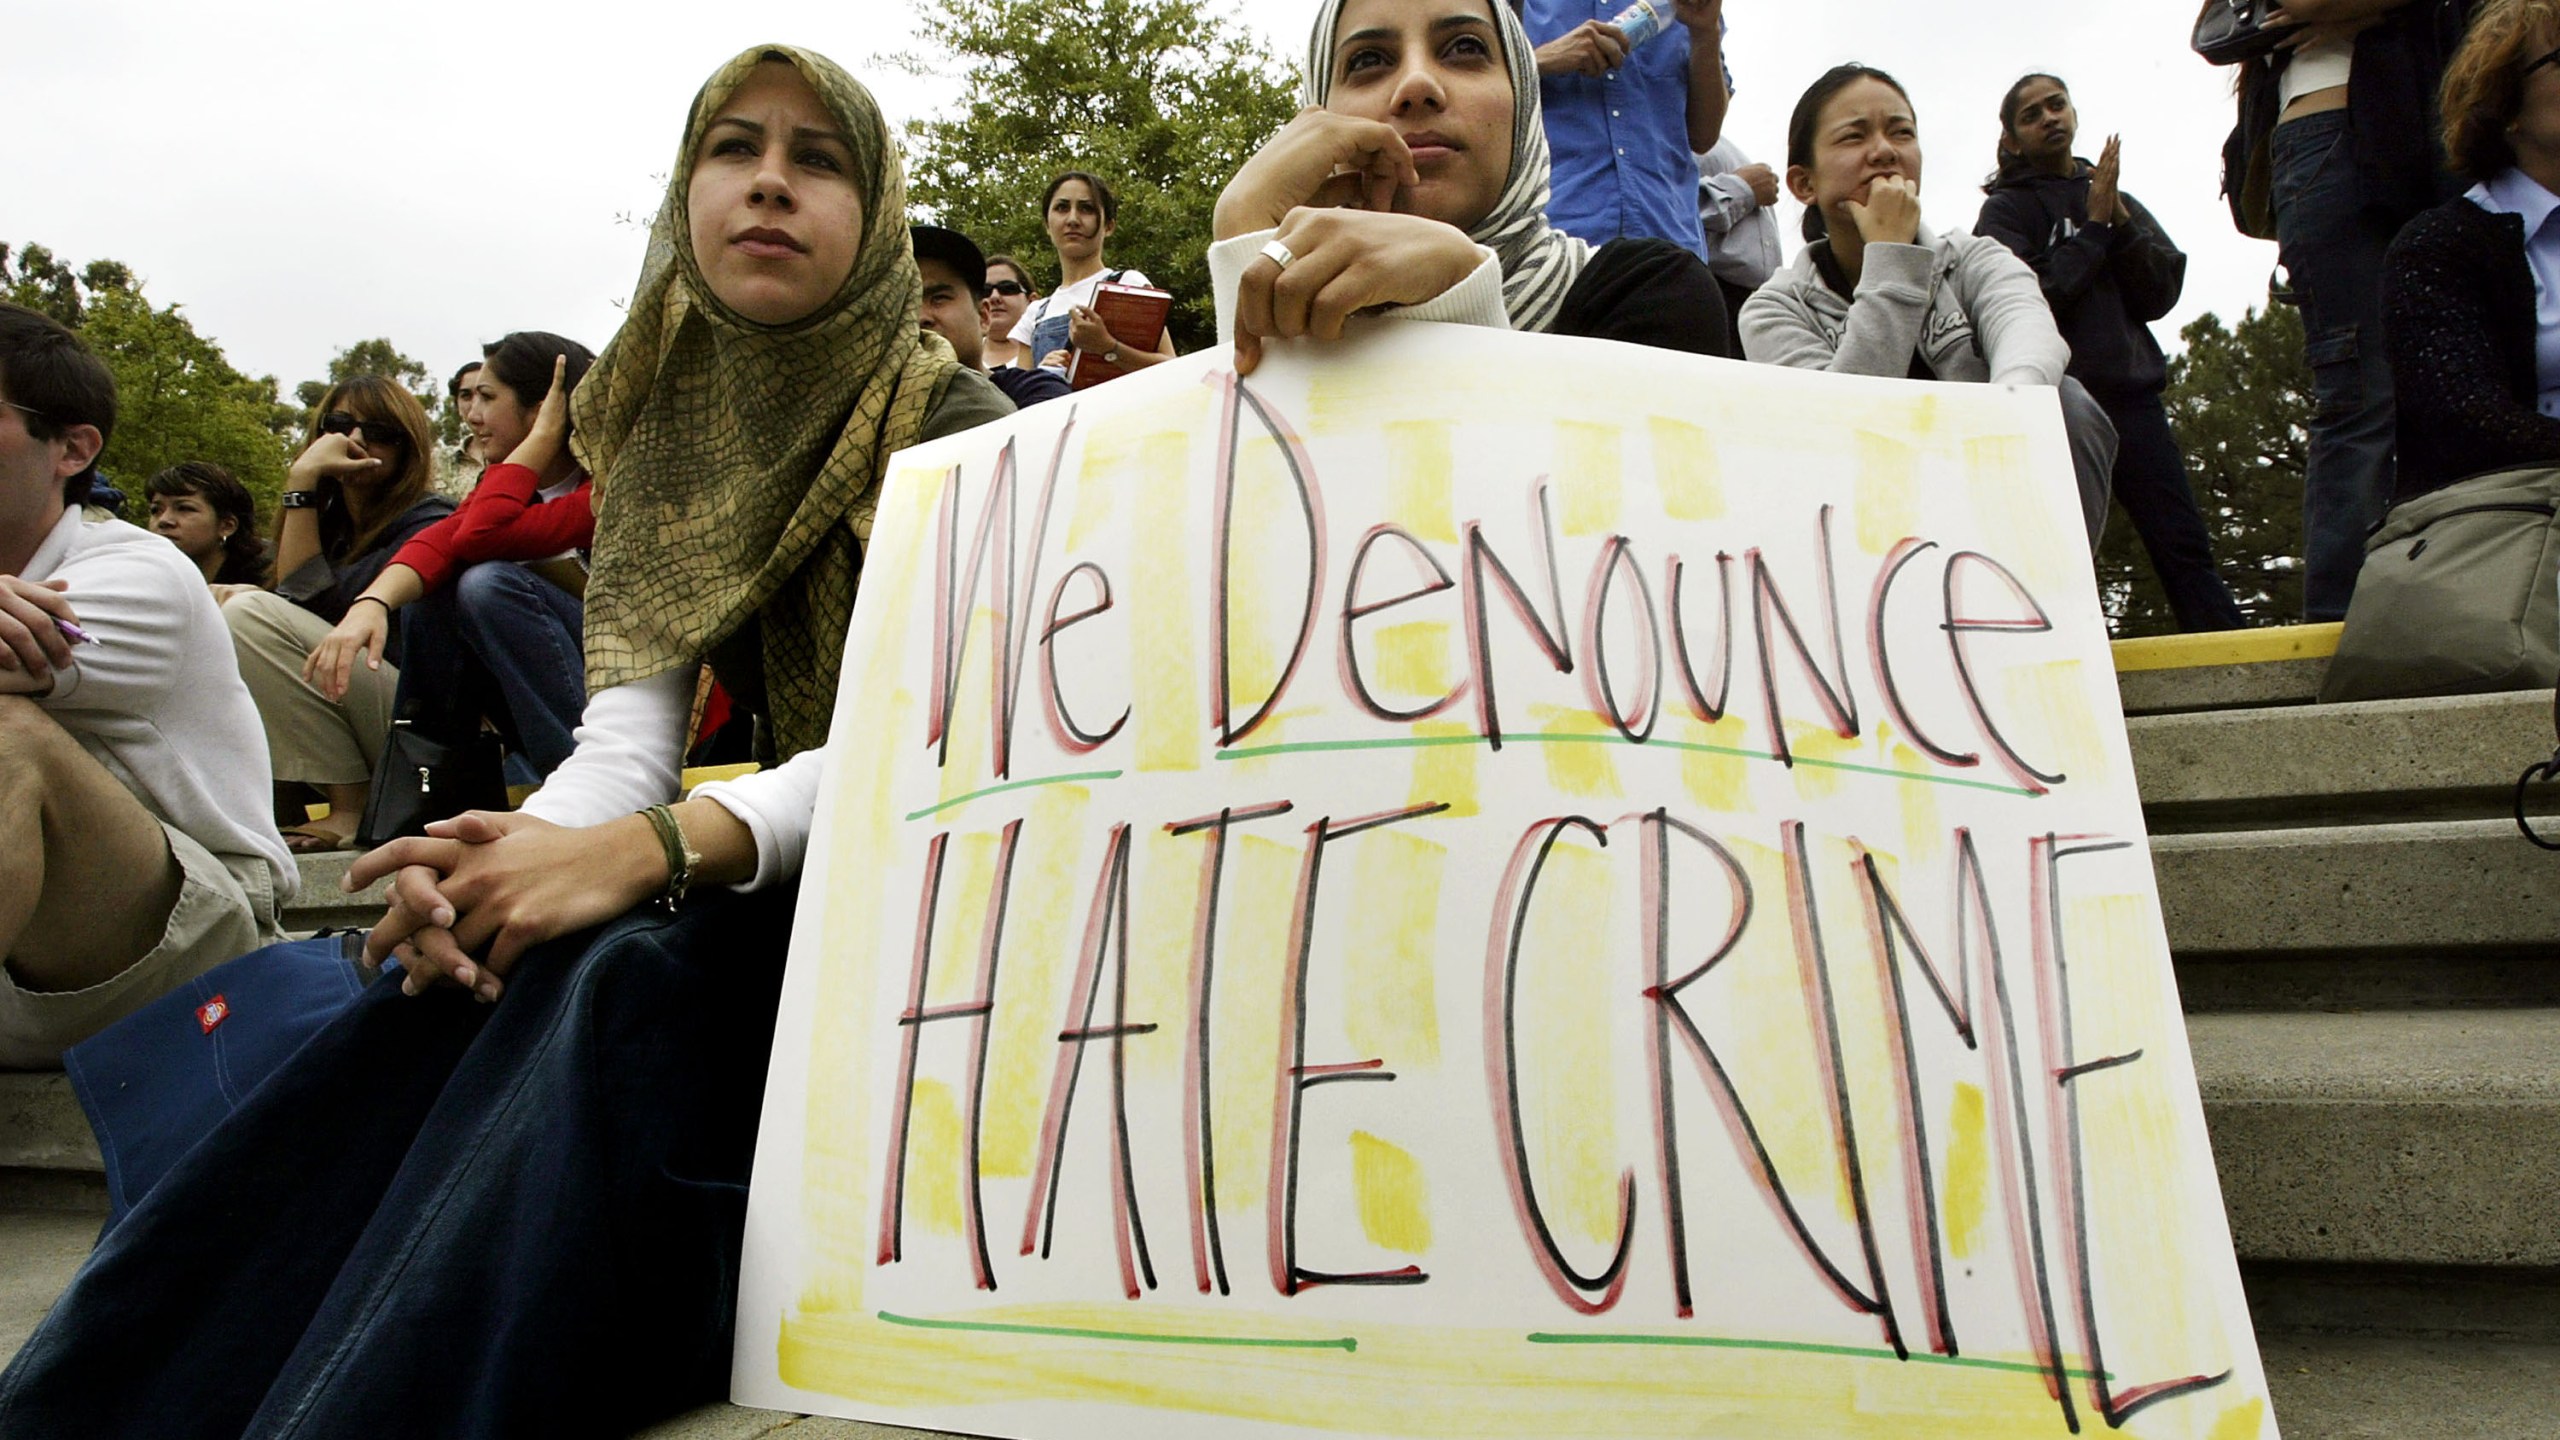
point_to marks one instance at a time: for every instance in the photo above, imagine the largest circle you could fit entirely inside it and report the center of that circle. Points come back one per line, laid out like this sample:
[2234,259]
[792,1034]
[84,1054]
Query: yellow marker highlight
[1586,477]
[1164,671]
[1777,1063]
[1393,1194]
[1716,783]
[1820,742]
[1260,891]
[1445,774]
[1567,1111]
[1164,890]
[1044,923]
[2244,1421]
[1686,469]
[1391,1011]
[960,922]
[1578,768]
[1113,451]
[933,1158]
[1888,490]
[1413,659]
[1479,1383]
[1266,571]
[2049,720]
[1968,1180]
[1420,475]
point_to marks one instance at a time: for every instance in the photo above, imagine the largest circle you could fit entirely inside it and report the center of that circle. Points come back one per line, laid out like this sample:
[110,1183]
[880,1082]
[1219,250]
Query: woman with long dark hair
[1877,292]
[1080,212]
[361,488]
[524,1215]
[489,597]
[210,516]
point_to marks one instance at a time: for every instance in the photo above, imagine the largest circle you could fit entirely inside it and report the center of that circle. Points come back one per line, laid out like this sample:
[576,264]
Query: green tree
[177,397]
[2239,399]
[373,357]
[1161,98]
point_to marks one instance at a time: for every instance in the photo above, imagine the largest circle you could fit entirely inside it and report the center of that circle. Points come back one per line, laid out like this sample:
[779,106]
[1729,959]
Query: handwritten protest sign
[1488,885]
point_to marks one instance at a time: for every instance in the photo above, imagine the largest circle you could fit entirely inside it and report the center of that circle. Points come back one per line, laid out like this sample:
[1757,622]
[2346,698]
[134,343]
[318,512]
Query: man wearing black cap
[954,271]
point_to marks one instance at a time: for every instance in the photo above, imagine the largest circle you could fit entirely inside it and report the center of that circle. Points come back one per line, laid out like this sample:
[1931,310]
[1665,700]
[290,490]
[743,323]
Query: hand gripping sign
[1490,885]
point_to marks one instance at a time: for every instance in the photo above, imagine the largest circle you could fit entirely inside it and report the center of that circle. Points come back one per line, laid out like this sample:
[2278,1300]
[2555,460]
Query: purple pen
[74,633]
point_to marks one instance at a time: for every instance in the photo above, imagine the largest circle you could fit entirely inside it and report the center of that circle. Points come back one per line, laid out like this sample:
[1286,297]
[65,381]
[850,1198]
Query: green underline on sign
[1421,742]
[1014,785]
[1345,1343]
[1803,1347]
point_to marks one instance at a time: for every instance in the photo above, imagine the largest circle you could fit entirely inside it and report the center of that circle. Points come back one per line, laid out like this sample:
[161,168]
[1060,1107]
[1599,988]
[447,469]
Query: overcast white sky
[303,175]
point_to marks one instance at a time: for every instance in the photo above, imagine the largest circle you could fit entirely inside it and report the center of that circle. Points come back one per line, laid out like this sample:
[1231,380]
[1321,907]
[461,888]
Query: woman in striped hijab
[1417,177]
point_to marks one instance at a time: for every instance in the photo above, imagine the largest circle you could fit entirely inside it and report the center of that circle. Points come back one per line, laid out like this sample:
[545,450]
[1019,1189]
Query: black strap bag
[2230,31]
[419,781]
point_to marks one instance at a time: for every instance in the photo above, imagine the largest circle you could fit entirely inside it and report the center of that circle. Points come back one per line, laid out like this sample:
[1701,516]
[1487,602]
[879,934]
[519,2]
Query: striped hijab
[1539,262]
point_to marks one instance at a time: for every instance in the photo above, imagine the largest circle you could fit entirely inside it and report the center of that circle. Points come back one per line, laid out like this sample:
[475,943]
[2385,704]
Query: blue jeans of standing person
[442,1218]
[2331,245]
[2151,485]
[502,642]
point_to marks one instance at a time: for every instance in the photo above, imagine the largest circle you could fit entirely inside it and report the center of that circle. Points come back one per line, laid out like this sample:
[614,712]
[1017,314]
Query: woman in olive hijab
[447,1216]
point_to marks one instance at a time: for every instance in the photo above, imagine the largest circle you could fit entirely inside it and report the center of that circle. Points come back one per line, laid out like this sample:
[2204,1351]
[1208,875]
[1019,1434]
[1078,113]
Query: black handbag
[2230,31]
[420,781]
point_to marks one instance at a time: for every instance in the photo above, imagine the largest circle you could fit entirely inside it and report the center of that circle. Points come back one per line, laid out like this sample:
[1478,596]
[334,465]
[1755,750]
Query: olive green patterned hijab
[737,464]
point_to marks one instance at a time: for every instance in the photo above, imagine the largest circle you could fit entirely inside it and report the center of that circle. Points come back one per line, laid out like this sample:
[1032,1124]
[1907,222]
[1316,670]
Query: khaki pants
[226,908]
[314,740]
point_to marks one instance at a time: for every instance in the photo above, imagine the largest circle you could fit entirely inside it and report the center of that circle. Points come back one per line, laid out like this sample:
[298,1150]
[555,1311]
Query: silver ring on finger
[1277,253]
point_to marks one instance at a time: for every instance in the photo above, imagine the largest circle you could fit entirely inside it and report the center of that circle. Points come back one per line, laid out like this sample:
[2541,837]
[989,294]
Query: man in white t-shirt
[138,847]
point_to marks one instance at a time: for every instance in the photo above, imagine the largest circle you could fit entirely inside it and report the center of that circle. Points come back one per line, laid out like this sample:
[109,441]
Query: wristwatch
[1111,356]
[300,500]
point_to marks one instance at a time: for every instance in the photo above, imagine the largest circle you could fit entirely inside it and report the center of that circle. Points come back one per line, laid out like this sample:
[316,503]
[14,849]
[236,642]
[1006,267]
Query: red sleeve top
[502,520]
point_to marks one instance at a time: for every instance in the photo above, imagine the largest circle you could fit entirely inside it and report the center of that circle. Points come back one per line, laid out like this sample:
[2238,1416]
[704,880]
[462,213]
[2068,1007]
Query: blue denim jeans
[2331,245]
[2151,485]
[444,1219]
[501,642]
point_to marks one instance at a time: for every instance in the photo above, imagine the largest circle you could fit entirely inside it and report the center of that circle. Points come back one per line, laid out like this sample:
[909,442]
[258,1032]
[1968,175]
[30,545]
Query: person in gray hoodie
[1876,292]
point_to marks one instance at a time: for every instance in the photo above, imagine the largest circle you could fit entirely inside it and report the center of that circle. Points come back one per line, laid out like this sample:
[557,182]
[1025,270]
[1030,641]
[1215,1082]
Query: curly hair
[2484,83]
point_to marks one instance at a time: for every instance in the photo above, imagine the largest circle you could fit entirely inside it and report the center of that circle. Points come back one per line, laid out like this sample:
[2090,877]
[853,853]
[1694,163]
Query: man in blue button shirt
[1623,126]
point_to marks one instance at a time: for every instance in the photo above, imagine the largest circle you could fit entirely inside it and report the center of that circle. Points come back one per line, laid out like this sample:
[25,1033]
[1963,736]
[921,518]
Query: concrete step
[2234,669]
[41,1126]
[2374,761]
[2436,886]
[321,903]
[2403,1137]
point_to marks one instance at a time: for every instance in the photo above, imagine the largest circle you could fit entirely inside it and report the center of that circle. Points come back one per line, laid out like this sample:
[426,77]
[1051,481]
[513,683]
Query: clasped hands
[475,892]
[1327,184]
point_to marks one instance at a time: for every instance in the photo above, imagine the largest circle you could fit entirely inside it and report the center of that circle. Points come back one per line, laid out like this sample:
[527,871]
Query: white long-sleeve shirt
[630,754]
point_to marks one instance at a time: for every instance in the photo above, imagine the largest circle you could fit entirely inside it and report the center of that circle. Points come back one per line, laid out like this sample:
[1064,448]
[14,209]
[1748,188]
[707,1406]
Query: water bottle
[1643,20]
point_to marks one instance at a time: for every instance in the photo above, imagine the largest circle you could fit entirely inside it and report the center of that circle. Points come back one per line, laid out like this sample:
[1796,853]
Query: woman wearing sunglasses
[2471,290]
[1009,293]
[360,489]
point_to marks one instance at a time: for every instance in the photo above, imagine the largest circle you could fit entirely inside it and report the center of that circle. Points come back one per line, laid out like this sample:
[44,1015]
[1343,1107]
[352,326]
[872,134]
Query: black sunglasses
[2551,59]
[1008,287]
[374,432]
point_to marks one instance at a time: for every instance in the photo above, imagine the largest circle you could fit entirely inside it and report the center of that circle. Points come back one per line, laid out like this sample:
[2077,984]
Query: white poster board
[1488,885]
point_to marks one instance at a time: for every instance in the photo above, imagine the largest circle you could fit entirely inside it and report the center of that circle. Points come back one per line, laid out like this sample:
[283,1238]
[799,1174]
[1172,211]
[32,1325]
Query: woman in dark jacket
[2108,270]
[2471,288]
[358,492]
